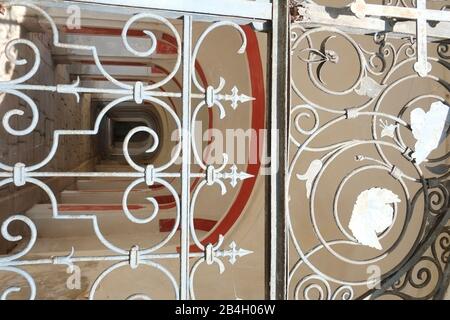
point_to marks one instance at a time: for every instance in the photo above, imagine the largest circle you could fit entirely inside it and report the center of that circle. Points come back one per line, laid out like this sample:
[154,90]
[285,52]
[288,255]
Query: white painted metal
[361,9]
[120,92]
[186,141]
[315,15]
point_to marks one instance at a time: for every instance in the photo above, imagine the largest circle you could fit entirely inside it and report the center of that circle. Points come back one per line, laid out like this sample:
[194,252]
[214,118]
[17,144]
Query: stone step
[111,219]
[92,246]
[115,184]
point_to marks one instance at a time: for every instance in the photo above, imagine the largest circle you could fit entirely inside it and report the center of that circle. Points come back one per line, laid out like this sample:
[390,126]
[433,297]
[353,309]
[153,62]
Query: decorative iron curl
[428,275]
[379,75]
[14,238]
[443,50]
[126,142]
[153,45]
[122,264]
[4,261]
[323,289]
[29,279]
[6,87]
[401,3]
[201,39]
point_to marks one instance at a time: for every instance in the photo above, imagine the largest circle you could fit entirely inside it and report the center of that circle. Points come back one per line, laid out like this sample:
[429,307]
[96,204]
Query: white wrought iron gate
[357,197]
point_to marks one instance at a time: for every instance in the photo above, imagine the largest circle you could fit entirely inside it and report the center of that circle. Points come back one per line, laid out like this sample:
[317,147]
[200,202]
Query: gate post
[279,112]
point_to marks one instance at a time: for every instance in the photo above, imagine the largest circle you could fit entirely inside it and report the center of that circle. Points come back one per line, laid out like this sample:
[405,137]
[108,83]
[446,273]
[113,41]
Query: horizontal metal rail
[344,19]
[225,8]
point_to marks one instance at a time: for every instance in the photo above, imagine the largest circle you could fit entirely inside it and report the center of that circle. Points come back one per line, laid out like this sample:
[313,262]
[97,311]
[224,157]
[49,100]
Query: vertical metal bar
[422,66]
[279,108]
[186,158]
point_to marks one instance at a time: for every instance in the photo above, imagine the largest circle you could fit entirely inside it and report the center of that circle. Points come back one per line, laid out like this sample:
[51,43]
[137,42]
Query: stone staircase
[102,198]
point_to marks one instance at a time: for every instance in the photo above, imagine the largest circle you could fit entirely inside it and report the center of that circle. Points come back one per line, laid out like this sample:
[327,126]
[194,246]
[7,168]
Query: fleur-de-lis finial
[235,176]
[70,88]
[237,98]
[66,260]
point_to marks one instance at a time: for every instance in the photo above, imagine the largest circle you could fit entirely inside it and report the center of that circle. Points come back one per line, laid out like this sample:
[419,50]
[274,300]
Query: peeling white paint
[429,129]
[310,175]
[372,214]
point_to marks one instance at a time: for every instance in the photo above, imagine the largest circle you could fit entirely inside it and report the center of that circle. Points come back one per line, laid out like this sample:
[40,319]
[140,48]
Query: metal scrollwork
[325,100]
